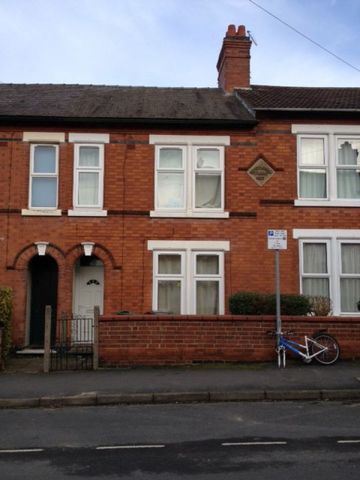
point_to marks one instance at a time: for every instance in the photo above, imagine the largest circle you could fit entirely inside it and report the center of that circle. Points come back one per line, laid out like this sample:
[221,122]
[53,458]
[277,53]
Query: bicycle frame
[297,348]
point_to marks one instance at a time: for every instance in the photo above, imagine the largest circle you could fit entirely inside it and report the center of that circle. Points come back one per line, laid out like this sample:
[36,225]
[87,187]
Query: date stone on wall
[260,172]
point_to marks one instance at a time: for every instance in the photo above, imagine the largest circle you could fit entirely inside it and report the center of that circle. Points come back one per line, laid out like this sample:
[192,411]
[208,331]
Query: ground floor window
[188,277]
[330,266]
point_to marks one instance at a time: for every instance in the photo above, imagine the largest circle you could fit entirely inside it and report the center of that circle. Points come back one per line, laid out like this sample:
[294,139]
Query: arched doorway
[88,288]
[43,275]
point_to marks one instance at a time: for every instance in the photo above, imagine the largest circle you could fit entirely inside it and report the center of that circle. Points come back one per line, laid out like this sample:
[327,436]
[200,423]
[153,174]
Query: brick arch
[24,255]
[99,250]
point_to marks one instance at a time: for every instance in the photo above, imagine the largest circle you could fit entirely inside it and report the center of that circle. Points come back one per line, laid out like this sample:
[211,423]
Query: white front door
[89,292]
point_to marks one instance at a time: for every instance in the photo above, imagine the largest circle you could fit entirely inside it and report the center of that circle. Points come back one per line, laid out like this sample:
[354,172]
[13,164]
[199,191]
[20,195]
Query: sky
[175,43]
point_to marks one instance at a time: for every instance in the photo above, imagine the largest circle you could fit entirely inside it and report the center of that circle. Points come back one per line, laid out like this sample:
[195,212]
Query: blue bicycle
[322,347]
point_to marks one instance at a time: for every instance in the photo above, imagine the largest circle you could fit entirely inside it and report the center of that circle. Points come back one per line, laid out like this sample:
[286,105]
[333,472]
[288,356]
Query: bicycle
[322,347]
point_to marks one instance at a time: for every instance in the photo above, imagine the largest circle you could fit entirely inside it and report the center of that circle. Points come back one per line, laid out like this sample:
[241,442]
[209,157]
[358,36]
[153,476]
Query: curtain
[44,159]
[313,183]
[88,188]
[315,260]
[207,191]
[207,297]
[169,264]
[170,190]
[89,157]
[348,180]
[350,287]
[316,287]
[350,294]
[43,192]
[169,296]
[207,265]
[350,258]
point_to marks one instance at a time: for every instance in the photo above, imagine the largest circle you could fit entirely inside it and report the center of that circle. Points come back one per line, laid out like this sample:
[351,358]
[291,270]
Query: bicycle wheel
[330,355]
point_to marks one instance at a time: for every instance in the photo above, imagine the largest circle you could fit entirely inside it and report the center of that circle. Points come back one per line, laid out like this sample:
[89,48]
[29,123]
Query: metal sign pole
[277,290]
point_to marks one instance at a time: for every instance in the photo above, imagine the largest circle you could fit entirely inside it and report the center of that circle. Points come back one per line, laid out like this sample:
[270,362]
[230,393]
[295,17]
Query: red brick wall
[159,340]
[121,237]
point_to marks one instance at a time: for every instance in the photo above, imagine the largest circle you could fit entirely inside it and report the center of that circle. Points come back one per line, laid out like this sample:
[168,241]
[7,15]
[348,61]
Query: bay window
[188,276]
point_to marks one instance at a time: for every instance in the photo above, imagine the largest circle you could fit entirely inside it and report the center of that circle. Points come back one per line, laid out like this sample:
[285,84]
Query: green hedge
[5,318]
[252,303]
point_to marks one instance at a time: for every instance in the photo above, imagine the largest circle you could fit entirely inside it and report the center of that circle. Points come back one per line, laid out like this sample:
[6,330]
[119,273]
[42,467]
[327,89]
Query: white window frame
[334,238]
[43,175]
[172,277]
[189,251]
[190,145]
[331,133]
[302,166]
[346,275]
[304,275]
[99,170]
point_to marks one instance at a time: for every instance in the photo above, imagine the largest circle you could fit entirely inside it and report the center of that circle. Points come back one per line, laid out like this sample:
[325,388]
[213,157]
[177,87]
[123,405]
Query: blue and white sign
[277,239]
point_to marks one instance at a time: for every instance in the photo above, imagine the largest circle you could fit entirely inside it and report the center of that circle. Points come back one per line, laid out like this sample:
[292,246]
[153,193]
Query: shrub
[5,318]
[320,306]
[250,303]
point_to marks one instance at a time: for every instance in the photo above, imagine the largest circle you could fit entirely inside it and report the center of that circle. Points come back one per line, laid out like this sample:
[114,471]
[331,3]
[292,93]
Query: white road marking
[23,450]
[119,447]
[241,444]
[348,441]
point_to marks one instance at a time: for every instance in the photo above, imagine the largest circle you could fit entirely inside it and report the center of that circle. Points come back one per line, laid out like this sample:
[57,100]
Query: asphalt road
[213,441]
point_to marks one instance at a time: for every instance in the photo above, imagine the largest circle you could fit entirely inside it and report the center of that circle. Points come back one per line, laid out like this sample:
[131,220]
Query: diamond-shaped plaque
[260,172]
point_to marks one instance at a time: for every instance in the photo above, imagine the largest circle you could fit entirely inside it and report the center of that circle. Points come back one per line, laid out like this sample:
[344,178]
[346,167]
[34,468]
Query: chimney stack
[234,60]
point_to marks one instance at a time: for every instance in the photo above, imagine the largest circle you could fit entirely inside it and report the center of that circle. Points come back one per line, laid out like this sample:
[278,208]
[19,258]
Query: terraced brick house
[159,199]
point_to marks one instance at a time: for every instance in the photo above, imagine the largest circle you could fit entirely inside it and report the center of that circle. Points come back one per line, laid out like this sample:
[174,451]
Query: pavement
[22,385]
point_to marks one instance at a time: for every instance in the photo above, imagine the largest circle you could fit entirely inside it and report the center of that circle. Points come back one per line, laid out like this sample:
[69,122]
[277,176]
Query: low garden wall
[185,339]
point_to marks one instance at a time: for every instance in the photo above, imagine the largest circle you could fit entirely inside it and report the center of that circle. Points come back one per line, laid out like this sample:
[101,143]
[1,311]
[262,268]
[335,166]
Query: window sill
[162,214]
[327,203]
[87,213]
[40,213]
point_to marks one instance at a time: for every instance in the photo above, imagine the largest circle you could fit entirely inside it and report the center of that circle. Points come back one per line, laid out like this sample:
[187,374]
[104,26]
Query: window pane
[169,264]
[315,258]
[313,183]
[207,297]
[43,192]
[350,294]
[44,159]
[207,264]
[348,152]
[169,296]
[89,157]
[170,190]
[312,151]
[348,183]
[207,191]
[88,189]
[316,287]
[170,158]
[208,158]
[350,258]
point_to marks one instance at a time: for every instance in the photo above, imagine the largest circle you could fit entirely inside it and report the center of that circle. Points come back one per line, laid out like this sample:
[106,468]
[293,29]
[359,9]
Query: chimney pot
[231,31]
[241,31]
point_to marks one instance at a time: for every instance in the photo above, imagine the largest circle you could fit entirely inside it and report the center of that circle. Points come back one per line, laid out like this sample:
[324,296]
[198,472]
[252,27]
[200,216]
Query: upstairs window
[328,165]
[88,176]
[44,177]
[189,176]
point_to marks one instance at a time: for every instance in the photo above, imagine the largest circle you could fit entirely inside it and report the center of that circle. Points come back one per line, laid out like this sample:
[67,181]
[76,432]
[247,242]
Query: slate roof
[265,97]
[121,103]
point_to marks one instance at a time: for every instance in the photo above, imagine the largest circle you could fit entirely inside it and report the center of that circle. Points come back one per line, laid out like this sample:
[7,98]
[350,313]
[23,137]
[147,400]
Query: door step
[30,351]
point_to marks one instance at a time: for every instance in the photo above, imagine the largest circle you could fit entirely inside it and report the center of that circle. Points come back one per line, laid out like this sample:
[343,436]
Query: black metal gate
[74,345]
